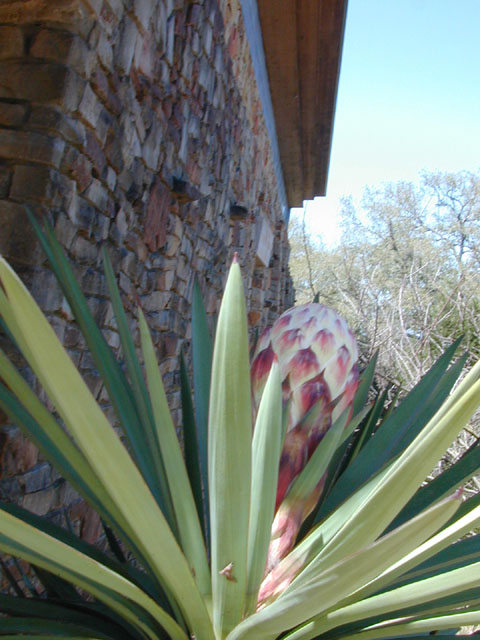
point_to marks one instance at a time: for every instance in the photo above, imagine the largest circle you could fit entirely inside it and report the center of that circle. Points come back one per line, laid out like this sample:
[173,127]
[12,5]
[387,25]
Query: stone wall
[137,125]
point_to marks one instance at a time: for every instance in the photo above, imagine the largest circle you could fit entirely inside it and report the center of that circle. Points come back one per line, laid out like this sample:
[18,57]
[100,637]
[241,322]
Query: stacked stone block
[134,124]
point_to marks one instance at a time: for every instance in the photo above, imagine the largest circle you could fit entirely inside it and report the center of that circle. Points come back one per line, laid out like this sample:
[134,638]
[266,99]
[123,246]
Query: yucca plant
[375,553]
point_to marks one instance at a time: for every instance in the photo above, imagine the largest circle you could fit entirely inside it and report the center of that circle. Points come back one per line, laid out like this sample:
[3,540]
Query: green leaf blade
[229,448]
[190,531]
[191,445]
[321,590]
[266,450]
[21,539]
[152,462]
[202,351]
[400,428]
[102,448]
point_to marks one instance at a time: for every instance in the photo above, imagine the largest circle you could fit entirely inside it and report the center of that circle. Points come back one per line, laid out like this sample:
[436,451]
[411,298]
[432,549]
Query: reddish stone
[115,82]
[17,453]
[167,106]
[109,19]
[158,208]
[178,53]
[114,150]
[100,83]
[179,23]
[11,42]
[95,152]
[232,45]
[77,166]
[92,527]
[76,511]
[144,57]
[164,281]
[102,88]
[257,281]
[170,343]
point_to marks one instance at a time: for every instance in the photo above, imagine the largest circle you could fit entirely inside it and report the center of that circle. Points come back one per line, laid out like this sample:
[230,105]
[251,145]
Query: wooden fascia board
[279,30]
[303,42]
[332,14]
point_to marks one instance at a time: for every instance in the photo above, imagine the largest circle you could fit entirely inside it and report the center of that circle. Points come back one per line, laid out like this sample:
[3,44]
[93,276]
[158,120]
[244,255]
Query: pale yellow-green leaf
[400,479]
[424,551]
[410,595]
[266,449]
[190,531]
[102,448]
[472,376]
[57,436]
[49,637]
[229,457]
[469,522]
[326,588]
[21,539]
[423,626]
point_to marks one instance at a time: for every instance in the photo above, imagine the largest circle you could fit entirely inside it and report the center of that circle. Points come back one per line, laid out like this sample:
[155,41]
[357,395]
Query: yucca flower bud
[317,354]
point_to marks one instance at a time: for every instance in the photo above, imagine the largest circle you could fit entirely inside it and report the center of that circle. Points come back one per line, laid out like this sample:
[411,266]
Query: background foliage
[405,274]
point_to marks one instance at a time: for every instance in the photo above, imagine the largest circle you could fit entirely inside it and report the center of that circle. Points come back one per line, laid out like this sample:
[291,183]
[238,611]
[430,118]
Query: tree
[406,274]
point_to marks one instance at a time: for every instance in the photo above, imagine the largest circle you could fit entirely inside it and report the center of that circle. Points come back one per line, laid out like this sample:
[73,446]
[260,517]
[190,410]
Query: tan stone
[165,280]
[17,239]
[40,502]
[64,47]
[11,42]
[91,528]
[173,243]
[31,11]
[46,82]
[29,146]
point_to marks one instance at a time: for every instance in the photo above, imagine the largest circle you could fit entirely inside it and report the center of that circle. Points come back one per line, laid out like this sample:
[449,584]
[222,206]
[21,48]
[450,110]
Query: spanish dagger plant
[381,553]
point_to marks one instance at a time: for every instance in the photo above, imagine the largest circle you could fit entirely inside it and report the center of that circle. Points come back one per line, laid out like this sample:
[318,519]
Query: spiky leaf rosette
[383,559]
[318,355]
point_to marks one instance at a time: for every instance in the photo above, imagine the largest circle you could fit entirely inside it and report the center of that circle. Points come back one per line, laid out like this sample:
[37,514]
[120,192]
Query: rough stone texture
[137,125]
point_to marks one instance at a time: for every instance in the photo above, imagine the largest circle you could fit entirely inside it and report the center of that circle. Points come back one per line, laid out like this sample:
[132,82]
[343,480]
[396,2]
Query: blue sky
[408,99]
